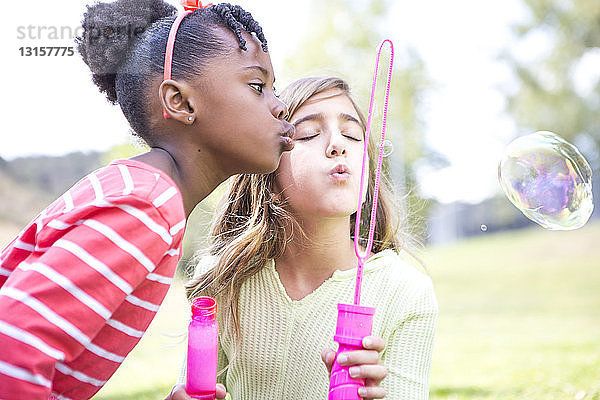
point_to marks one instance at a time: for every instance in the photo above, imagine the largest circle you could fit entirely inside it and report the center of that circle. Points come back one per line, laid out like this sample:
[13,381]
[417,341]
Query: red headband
[189,7]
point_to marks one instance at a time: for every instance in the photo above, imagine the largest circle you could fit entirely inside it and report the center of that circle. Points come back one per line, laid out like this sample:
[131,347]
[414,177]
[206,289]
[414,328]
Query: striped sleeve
[56,301]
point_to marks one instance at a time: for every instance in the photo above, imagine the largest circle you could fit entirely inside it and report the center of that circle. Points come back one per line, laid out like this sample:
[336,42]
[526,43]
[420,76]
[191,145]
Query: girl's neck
[307,263]
[194,177]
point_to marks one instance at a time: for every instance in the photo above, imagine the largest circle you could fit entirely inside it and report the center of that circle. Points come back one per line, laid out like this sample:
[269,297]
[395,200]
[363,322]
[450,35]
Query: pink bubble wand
[354,321]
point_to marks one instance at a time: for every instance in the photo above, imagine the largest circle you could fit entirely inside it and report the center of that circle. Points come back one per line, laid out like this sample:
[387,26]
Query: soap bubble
[388,147]
[483,228]
[547,178]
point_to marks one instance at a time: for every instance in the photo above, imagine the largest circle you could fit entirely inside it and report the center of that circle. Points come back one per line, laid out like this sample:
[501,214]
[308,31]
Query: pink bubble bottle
[203,341]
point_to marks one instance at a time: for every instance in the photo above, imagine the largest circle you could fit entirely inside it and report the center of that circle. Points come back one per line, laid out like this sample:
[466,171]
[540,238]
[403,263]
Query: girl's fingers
[220,392]
[373,343]
[328,355]
[178,393]
[371,392]
[358,357]
[374,373]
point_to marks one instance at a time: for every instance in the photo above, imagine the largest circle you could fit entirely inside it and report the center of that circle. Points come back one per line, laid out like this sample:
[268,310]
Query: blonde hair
[249,227]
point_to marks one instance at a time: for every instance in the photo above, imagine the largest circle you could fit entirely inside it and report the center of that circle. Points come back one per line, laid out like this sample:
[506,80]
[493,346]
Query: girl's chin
[336,212]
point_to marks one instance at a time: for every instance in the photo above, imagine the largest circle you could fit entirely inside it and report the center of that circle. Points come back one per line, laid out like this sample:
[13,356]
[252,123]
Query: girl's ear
[178,101]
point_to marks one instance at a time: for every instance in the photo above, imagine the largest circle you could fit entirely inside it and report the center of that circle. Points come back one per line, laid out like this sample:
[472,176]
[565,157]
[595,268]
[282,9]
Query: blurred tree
[559,81]
[124,150]
[20,201]
[341,39]
[53,174]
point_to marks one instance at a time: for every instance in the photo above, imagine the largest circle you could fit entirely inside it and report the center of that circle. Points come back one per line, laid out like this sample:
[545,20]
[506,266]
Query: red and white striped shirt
[82,282]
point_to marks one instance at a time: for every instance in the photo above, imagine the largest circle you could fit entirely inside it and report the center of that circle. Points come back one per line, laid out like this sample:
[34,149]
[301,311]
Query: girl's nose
[336,148]
[280,110]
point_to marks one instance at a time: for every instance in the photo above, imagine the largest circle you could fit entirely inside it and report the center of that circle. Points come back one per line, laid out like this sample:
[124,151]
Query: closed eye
[306,137]
[353,138]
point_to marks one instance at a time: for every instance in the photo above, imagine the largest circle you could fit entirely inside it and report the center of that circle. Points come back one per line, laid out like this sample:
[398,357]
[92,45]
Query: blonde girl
[282,257]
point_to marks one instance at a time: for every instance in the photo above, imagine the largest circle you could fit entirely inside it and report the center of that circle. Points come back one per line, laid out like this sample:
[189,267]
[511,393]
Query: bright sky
[52,107]
[460,42]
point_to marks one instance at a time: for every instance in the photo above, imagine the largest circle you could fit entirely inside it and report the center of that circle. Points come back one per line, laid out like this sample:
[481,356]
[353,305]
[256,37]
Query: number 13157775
[46,51]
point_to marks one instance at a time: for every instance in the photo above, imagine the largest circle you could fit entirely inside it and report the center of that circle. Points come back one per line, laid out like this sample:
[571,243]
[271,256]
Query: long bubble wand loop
[363,257]
[355,322]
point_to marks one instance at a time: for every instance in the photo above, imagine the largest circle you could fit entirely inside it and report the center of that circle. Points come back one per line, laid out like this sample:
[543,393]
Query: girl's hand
[178,393]
[365,363]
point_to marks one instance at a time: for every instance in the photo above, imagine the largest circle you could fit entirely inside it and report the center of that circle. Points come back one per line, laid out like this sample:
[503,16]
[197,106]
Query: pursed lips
[289,132]
[340,172]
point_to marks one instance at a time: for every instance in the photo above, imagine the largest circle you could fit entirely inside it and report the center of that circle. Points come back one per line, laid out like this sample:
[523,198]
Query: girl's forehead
[234,56]
[330,99]
[328,94]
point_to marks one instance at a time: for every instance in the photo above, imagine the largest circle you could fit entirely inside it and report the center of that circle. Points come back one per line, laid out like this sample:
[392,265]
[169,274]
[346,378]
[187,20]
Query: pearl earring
[190,118]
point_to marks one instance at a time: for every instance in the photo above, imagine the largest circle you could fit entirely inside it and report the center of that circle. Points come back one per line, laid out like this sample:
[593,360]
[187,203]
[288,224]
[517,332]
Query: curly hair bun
[110,30]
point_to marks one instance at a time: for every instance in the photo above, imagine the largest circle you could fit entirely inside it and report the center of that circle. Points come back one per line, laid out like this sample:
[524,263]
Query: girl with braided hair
[82,282]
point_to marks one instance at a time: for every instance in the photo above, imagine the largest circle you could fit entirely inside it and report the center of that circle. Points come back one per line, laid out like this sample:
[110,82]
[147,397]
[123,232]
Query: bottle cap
[204,307]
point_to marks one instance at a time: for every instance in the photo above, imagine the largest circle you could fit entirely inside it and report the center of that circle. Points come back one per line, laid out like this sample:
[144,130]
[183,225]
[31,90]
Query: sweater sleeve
[409,349]
[56,301]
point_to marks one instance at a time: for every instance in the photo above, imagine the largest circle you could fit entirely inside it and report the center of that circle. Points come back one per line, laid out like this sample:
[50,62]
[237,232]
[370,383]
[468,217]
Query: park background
[519,306]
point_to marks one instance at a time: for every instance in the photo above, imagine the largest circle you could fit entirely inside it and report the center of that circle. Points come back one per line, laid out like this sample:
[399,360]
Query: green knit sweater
[282,339]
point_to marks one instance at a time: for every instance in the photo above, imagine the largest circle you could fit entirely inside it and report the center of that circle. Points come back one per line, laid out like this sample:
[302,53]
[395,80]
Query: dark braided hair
[124,44]
[237,18]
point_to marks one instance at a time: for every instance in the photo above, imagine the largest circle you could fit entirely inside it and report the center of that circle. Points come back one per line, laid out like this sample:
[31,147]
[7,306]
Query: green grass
[519,316]
[519,319]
